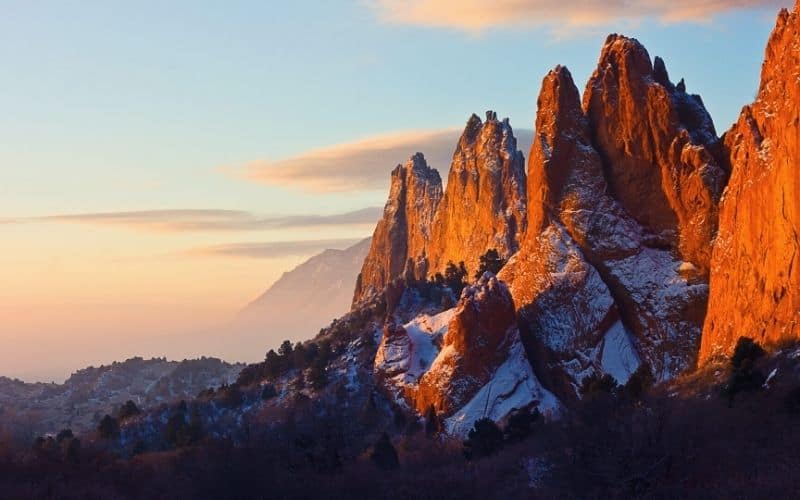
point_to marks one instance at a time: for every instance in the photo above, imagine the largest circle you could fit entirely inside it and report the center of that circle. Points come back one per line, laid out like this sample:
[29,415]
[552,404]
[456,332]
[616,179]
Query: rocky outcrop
[484,205]
[565,310]
[401,237]
[472,348]
[630,227]
[659,148]
[467,361]
[596,271]
[755,273]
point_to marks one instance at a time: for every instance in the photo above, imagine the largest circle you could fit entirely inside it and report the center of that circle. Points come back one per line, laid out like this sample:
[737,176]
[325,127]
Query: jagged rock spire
[400,239]
[755,272]
[659,148]
[484,205]
[617,199]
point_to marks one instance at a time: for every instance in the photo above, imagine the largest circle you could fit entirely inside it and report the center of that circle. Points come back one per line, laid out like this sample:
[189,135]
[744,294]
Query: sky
[162,163]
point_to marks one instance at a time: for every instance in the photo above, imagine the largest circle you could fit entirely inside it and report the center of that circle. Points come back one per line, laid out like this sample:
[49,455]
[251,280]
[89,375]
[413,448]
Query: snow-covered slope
[512,386]
[468,362]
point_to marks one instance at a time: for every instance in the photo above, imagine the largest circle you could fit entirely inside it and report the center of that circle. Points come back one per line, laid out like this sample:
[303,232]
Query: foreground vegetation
[730,431]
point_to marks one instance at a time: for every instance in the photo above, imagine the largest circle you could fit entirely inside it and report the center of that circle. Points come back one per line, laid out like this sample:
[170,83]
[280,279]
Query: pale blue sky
[151,108]
[133,105]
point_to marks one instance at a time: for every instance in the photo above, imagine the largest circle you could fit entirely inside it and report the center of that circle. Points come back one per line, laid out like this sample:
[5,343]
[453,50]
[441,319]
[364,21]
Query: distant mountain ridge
[92,392]
[307,298]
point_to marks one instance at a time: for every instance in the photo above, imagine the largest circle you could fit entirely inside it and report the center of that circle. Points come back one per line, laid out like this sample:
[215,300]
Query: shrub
[383,454]
[108,427]
[483,439]
[128,410]
[490,262]
[520,424]
[268,392]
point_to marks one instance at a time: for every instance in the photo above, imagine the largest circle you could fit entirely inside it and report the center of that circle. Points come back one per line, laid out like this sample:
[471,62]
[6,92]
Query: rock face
[755,273]
[603,277]
[401,237]
[468,361]
[484,205]
[471,349]
[659,148]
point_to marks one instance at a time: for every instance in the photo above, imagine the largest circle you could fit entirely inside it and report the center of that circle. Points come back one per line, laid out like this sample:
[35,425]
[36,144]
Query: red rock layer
[472,348]
[755,273]
[658,146]
[484,205]
[597,252]
[400,239]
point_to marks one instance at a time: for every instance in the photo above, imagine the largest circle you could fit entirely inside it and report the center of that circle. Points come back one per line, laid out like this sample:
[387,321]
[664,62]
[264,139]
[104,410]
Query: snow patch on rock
[619,358]
[512,386]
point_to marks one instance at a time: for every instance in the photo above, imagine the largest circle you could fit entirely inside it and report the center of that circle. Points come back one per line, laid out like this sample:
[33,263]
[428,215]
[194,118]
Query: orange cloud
[359,165]
[480,15]
[198,220]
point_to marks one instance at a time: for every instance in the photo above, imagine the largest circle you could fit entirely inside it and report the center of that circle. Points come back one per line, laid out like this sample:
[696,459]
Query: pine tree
[483,439]
[268,392]
[64,434]
[272,365]
[454,277]
[175,430]
[490,262]
[108,427]
[520,424]
[285,352]
[383,454]
[639,382]
[128,410]
[195,429]
[433,425]
[318,375]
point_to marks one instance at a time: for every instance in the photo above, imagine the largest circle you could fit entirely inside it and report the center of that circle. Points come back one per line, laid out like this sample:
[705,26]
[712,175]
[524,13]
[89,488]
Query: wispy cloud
[359,165]
[480,15]
[269,250]
[198,220]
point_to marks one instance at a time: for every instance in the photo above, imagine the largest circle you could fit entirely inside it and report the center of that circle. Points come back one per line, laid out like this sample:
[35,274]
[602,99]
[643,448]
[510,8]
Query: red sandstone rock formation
[400,239]
[475,345]
[659,148]
[483,207]
[755,273]
[598,263]
[623,206]
[484,203]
